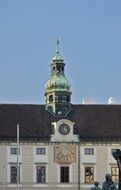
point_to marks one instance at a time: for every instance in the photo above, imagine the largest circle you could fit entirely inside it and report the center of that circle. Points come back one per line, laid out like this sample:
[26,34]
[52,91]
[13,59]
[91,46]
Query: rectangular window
[14,151]
[89,151]
[89,174]
[40,151]
[41,174]
[64,174]
[13,171]
[113,150]
[115,173]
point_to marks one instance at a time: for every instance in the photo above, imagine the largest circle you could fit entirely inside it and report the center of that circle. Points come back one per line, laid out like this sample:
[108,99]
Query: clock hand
[65,129]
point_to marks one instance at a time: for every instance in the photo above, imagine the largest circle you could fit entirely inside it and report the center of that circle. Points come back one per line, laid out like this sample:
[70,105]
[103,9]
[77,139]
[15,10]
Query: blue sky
[90,32]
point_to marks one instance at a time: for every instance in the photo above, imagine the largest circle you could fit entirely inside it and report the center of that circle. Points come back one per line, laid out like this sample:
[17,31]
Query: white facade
[99,158]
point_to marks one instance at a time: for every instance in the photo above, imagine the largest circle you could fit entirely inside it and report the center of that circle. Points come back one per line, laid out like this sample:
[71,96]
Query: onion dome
[58,82]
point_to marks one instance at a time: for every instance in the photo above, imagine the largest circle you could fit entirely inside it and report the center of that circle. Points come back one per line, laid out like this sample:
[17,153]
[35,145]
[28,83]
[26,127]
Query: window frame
[40,150]
[15,180]
[13,151]
[116,175]
[113,150]
[89,151]
[91,181]
[66,176]
[45,174]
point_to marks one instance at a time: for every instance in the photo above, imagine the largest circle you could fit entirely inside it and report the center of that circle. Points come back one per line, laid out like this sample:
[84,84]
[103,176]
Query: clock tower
[57,88]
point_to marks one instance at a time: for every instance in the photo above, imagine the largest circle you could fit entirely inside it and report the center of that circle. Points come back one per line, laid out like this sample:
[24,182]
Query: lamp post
[3,177]
[79,165]
[117,155]
[18,157]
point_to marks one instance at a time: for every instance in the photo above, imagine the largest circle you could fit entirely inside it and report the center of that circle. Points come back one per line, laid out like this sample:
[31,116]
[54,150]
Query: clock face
[64,129]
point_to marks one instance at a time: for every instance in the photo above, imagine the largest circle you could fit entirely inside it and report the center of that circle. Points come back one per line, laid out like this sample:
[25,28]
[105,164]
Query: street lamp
[117,155]
[3,177]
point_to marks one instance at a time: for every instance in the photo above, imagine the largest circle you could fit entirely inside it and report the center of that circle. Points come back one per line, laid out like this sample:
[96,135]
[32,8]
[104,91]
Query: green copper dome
[57,82]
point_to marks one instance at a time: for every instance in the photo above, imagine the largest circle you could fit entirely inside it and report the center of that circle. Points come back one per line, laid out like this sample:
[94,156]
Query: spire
[58,55]
[57,45]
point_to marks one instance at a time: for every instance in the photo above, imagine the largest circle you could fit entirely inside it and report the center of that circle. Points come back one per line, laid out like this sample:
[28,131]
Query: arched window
[62,68]
[50,98]
[68,98]
[58,69]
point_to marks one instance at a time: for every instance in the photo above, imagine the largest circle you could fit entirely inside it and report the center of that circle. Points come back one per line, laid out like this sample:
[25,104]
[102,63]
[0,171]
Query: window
[60,98]
[54,68]
[56,98]
[41,174]
[114,173]
[64,174]
[68,98]
[13,170]
[14,151]
[89,151]
[89,174]
[58,69]
[50,98]
[40,150]
[113,150]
